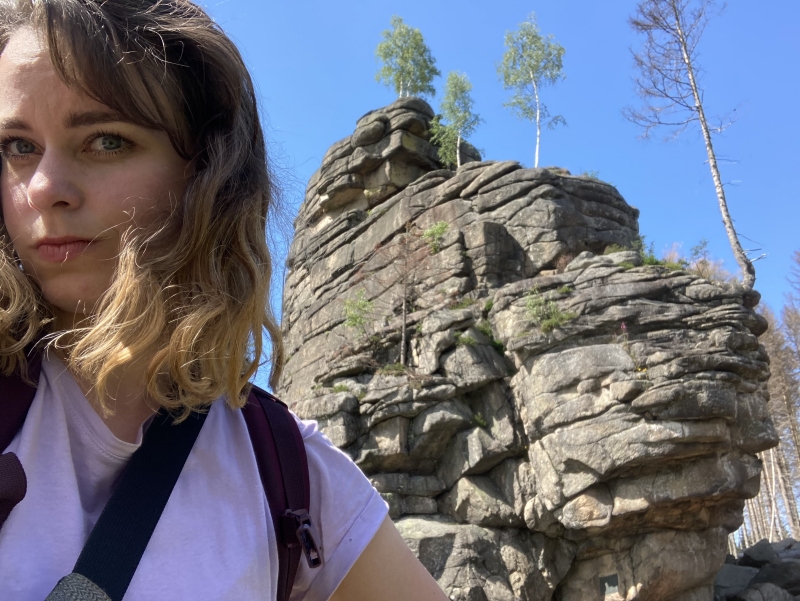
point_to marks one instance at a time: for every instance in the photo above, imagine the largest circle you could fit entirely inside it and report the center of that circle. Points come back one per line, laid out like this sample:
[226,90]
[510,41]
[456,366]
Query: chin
[70,299]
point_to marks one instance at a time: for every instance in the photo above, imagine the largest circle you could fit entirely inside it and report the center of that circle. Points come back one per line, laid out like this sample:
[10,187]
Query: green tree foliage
[357,311]
[531,62]
[457,110]
[434,234]
[446,138]
[408,65]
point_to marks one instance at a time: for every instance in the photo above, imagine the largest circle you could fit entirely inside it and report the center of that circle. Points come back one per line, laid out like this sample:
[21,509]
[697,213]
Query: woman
[135,194]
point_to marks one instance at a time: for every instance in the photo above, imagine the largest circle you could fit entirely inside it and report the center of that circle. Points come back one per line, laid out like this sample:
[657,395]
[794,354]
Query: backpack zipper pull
[306,536]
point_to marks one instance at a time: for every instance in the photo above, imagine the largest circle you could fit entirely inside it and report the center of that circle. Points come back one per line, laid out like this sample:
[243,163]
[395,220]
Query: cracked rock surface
[545,421]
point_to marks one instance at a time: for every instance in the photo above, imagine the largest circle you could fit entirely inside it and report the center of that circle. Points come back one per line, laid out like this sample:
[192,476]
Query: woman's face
[75,176]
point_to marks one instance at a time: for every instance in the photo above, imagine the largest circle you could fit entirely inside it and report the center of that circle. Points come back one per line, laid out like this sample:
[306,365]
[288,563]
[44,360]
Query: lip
[61,249]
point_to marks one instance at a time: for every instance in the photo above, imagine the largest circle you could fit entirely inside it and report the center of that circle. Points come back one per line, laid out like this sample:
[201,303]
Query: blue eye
[17,147]
[108,143]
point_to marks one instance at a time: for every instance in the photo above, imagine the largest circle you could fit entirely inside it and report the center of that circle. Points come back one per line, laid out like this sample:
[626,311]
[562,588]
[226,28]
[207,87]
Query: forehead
[31,90]
[24,60]
[23,63]
[29,85]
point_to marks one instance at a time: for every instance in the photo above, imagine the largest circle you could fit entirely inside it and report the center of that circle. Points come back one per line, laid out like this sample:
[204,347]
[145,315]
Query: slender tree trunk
[792,519]
[458,151]
[747,524]
[758,505]
[790,412]
[765,495]
[748,270]
[538,120]
[404,327]
[755,525]
[762,514]
[403,333]
[773,498]
[784,369]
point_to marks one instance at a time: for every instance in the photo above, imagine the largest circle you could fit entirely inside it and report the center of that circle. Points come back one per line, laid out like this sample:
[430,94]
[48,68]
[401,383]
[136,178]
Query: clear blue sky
[314,65]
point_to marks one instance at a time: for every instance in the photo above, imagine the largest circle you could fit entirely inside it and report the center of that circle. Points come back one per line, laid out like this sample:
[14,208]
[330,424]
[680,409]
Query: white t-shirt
[215,539]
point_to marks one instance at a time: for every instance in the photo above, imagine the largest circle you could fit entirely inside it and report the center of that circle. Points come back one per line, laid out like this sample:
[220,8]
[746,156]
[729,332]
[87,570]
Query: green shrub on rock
[434,234]
[546,314]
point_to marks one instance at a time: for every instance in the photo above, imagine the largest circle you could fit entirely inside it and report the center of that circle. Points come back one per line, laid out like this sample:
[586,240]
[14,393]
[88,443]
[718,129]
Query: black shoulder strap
[283,466]
[117,542]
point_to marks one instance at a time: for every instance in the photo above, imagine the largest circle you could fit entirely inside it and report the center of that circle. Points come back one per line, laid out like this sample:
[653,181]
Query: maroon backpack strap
[16,396]
[283,467]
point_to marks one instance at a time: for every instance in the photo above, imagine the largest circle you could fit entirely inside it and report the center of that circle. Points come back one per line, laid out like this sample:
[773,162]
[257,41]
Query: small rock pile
[764,572]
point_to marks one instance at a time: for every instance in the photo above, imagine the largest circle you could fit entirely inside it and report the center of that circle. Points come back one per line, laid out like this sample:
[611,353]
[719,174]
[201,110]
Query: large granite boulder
[545,420]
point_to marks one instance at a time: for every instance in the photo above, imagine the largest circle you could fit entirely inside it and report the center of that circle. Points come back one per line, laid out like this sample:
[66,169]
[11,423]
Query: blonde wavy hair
[191,298]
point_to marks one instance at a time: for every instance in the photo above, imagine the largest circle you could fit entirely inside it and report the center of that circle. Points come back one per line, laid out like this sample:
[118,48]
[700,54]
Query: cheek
[12,208]
[140,198]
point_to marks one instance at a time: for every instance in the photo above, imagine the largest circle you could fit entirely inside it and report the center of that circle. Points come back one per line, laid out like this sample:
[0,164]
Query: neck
[124,406]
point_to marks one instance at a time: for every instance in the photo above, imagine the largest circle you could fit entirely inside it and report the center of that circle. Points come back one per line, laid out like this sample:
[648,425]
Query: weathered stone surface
[471,452]
[590,509]
[759,555]
[386,447]
[472,367]
[327,405]
[432,429]
[419,486]
[662,565]
[732,579]
[400,505]
[761,572]
[341,428]
[471,562]
[570,423]
[428,350]
[476,500]
[763,592]
[785,575]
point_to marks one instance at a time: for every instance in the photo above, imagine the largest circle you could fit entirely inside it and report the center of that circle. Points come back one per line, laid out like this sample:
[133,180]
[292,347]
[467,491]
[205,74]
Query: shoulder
[345,508]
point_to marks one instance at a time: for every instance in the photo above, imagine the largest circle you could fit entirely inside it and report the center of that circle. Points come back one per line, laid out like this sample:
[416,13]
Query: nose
[53,185]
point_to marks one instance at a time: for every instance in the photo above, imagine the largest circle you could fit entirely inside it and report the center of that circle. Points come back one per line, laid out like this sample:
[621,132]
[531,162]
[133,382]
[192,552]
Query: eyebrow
[83,119]
[13,123]
[73,120]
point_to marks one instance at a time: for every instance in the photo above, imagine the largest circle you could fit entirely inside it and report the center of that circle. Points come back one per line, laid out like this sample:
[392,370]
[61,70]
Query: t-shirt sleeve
[346,510]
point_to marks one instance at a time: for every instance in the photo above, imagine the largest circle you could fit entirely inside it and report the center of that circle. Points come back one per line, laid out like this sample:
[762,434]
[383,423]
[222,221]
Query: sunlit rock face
[568,424]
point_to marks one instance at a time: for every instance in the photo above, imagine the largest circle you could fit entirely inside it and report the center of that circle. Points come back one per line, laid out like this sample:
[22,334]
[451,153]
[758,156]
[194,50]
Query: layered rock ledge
[568,424]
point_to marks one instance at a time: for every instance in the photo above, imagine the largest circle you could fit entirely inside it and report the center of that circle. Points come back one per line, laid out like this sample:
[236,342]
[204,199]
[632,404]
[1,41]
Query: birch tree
[408,65]
[456,108]
[531,62]
[667,82]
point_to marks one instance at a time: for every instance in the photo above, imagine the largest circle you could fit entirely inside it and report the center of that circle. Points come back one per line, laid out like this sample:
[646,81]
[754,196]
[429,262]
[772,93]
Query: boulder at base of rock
[759,555]
[732,580]
[763,592]
[785,575]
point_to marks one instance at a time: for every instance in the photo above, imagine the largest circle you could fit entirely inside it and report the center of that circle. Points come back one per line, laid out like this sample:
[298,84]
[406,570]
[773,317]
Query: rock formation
[764,572]
[547,417]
